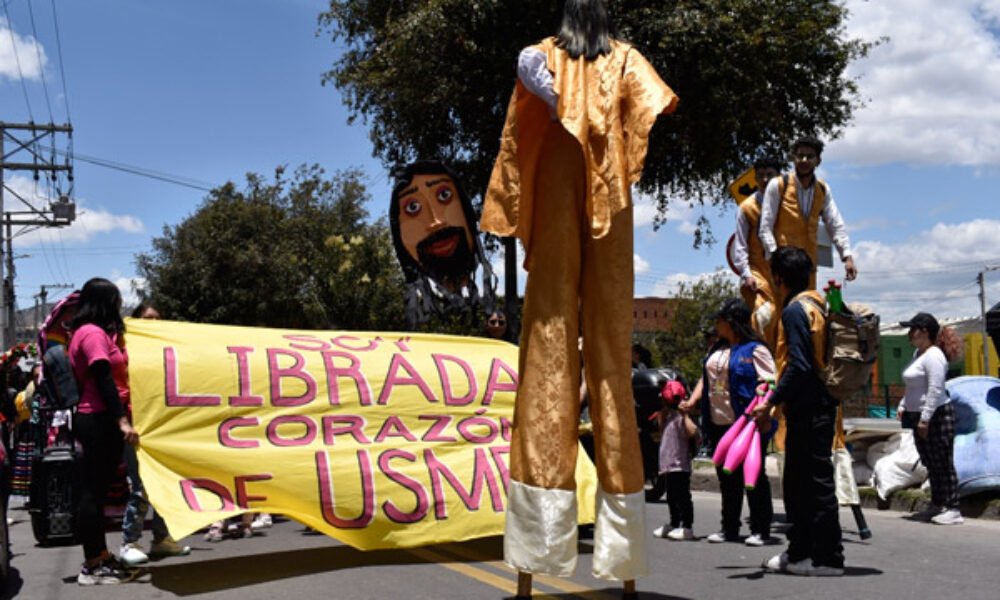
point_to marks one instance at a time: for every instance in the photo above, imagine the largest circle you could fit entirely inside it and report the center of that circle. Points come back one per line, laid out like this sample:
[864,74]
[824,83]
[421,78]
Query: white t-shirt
[924,379]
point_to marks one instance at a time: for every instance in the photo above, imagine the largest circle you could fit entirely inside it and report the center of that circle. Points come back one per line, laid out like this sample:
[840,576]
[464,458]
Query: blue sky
[210,90]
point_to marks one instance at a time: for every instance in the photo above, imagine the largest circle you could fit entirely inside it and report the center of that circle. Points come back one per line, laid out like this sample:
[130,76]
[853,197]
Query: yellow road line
[501,583]
[562,585]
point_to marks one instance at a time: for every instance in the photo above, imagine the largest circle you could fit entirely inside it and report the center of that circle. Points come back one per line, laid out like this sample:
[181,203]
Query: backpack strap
[817,305]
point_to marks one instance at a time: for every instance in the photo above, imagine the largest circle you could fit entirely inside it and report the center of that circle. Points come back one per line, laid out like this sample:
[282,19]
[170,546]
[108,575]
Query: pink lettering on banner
[300,341]
[393,378]
[327,495]
[245,398]
[501,463]
[394,427]
[172,384]
[389,507]
[471,498]
[307,437]
[188,487]
[402,345]
[334,425]
[340,341]
[494,385]
[449,397]
[297,371]
[434,433]
[225,432]
[243,498]
[353,371]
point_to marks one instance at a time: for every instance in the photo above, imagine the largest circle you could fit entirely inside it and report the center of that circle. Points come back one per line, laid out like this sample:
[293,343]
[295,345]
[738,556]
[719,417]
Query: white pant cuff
[620,536]
[540,531]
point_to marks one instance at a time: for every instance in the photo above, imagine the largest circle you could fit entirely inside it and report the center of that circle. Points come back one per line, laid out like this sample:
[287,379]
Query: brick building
[653,314]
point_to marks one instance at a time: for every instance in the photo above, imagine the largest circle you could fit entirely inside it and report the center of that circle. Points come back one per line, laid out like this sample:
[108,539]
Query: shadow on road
[760,573]
[12,586]
[234,572]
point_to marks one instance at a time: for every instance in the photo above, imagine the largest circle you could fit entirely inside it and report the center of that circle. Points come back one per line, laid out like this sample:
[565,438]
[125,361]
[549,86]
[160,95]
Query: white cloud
[129,287]
[641,265]
[17,49]
[932,271]
[89,222]
[933,89]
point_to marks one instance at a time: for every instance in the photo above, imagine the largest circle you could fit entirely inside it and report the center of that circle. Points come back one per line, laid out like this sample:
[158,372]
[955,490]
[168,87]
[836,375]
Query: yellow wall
[974,355]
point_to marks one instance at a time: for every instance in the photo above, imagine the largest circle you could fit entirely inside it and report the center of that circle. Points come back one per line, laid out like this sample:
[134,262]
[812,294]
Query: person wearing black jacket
[814,541]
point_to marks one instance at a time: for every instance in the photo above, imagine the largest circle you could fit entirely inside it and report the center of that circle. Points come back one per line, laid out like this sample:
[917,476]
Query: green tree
[292,253]
[683,345]
[433,77]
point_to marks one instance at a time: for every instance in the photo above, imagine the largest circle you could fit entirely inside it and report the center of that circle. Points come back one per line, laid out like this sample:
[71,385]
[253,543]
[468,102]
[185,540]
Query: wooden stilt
[523,585]
[628,590]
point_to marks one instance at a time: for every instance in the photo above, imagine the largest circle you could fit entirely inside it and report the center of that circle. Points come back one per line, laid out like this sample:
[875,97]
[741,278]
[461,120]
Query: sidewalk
[979,506]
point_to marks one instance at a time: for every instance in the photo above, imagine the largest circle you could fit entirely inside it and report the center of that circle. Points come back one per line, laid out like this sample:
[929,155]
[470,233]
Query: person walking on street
[928,411]
[814,538]
[100,424]
[734,377]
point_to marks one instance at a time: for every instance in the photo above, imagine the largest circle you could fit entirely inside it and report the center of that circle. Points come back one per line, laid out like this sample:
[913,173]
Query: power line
[62,70]
[140,171]
[17,60]
[41,66]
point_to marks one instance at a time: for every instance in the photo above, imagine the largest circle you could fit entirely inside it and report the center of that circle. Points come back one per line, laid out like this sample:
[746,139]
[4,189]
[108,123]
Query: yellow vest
[791,227]
[759,266]
[817,331]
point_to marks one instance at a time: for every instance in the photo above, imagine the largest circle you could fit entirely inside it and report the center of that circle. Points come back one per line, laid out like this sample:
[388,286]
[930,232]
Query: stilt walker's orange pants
[576,282]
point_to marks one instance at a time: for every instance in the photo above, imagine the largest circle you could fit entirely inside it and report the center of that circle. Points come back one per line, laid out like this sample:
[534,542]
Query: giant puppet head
[437,244]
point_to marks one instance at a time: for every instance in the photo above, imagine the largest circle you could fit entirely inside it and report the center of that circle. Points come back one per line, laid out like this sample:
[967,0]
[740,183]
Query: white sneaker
[777,563]
[755,540]
[681,533]
[803,567]
[168,547]
[660,532]
[131,554]
[717,538]
[950,516]
[263,521]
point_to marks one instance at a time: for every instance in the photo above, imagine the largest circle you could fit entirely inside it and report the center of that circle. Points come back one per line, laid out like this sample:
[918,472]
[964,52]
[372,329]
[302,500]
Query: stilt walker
[573,143]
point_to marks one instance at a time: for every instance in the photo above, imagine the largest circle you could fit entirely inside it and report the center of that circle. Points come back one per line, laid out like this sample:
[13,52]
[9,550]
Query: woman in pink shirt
[100,364]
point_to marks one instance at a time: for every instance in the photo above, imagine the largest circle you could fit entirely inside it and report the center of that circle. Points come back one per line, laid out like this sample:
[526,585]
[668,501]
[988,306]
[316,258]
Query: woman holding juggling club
[733,378]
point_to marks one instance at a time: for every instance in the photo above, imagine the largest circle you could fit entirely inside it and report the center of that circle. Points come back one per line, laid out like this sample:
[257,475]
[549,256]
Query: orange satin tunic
[609,105]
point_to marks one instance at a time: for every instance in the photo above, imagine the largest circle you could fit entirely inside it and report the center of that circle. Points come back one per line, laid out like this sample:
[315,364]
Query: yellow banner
[380,440]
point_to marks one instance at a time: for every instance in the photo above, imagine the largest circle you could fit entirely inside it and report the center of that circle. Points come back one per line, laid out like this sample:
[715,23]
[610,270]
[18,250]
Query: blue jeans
[138,505]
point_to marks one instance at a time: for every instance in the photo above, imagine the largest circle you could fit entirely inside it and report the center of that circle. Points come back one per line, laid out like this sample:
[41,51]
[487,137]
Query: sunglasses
[496,322]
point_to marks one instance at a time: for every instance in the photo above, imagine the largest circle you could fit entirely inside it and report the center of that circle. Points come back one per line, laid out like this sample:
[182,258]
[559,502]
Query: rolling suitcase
[54,495]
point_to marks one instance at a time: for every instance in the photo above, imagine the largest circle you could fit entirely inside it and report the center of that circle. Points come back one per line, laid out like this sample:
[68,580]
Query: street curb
[978,506]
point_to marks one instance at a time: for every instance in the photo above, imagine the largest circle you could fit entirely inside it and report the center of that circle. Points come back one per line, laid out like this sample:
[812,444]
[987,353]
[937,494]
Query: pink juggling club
[738,451]
[722,448]
[752,463]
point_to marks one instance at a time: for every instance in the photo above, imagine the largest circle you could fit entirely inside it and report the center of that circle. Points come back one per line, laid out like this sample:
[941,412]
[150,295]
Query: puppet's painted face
[433,228]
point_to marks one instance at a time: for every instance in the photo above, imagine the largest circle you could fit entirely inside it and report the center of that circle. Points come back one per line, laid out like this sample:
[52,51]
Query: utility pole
[43,296]
[981,278]
[27,155]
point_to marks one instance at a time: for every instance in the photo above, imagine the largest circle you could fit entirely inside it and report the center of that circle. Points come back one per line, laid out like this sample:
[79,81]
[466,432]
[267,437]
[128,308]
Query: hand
[899,415]
[129,434]
[850,271]
[761,411]
[922,429]
[750,282]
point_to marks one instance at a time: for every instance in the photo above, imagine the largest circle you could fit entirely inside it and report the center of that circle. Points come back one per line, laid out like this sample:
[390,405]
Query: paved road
[904,560]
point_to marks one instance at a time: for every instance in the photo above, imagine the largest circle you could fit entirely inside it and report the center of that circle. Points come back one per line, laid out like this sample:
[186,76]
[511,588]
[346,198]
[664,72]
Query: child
[679,433]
